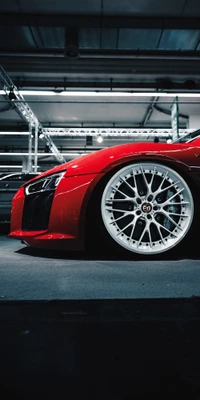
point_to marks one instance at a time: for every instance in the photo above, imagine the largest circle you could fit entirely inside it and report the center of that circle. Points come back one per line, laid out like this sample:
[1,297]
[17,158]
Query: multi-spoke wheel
[147,208]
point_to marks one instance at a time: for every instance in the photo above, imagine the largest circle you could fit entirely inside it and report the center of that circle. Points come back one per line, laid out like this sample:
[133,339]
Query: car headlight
[48,183]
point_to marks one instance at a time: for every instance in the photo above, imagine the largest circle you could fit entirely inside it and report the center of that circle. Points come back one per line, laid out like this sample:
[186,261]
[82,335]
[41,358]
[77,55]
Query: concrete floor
[104,349]
[29,274]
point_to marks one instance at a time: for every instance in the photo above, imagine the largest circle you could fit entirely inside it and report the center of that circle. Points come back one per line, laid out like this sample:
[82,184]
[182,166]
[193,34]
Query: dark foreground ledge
[105,349]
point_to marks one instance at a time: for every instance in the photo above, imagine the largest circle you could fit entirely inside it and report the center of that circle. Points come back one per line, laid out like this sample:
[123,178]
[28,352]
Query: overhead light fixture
[99,138]
[127,94]
[71,52]
[11,166]
[103,94]
[37,92]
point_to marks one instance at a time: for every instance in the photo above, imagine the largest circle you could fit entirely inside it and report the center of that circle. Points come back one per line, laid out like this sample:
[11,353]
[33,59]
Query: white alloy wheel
[147,208]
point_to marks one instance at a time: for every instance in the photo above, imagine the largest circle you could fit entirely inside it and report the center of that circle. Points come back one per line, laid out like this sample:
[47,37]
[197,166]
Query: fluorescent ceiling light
[11,166]
[128,94]
[66,93]
[38,93]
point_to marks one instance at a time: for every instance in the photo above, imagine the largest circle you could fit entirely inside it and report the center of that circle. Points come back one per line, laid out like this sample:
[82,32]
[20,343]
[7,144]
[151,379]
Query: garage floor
[110,329]
[31,274]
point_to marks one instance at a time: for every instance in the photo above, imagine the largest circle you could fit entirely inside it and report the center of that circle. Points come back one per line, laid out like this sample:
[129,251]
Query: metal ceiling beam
[105,132]
[99,65]
[99,21]
[51,145]
[113,132]
[58,85]
[119,54]
[149,111]
[13,95]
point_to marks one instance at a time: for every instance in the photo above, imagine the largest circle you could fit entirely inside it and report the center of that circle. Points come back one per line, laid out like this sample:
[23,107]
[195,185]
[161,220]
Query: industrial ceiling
[144,46]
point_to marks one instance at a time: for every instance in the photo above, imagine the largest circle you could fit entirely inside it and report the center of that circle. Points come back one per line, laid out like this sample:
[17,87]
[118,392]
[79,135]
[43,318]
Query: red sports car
[141,198]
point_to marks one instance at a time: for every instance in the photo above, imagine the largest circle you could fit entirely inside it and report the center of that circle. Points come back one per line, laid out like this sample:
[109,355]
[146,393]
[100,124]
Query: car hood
[97,161]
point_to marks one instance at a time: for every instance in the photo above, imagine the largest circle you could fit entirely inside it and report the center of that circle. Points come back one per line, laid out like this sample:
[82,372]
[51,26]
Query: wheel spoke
[145,180]
[142,235]
[148,232]
[178,215]
[118,210]
[164,178]
[118,219]
[119,191]
[120,200]
[125,227]
[135,184]
[110,203]
[168,201]
[152,178]
[150,238]
[128,184]
[164,227]
[161,236]
[180,203]
[169,187]
[159,190]
[134,225]
[171,219]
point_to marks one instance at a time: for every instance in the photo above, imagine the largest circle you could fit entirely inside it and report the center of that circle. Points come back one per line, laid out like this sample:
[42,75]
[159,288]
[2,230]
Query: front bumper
[64,228]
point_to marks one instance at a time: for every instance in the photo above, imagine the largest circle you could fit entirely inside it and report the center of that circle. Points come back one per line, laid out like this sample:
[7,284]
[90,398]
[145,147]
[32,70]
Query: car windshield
[188,138]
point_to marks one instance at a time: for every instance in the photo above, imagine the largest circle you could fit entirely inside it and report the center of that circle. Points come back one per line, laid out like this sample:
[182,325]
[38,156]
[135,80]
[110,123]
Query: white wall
[194,121]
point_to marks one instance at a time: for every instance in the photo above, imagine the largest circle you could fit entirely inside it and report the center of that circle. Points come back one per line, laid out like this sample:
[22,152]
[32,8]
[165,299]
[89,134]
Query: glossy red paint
[68,212]
[64,217]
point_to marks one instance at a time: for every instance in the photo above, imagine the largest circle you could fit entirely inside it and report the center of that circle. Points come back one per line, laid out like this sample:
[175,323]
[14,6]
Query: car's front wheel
[146,208]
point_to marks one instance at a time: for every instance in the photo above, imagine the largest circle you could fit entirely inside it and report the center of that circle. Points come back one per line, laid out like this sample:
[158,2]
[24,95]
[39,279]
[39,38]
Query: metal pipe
[35,147]
[30,144]
[104,55]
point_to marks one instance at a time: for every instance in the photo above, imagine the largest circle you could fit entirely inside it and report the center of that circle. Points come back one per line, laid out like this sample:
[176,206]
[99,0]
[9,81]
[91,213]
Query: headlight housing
[48,183]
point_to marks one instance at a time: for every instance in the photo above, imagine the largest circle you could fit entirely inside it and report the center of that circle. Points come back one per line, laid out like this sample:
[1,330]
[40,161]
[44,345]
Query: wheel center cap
[146,208]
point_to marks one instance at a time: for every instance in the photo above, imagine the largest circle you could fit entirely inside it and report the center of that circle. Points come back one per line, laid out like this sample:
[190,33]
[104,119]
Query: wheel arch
[171,162]
[183,169]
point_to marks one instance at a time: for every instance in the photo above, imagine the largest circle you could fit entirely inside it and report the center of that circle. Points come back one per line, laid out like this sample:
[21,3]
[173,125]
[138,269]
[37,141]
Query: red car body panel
[64,218]
[68,212]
